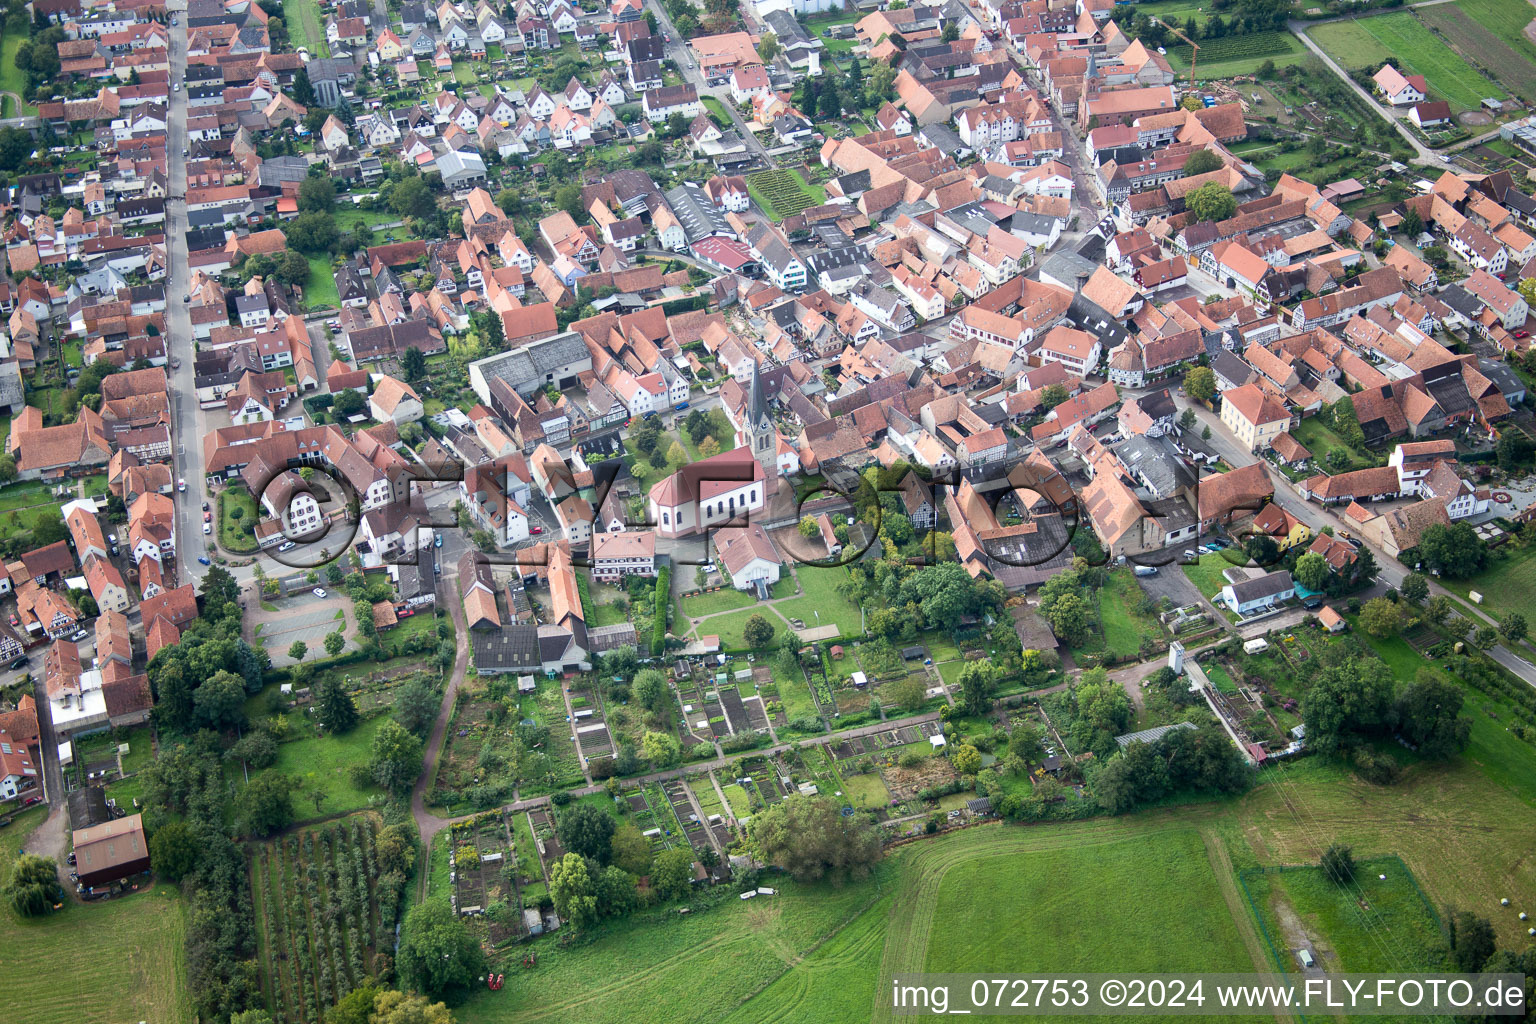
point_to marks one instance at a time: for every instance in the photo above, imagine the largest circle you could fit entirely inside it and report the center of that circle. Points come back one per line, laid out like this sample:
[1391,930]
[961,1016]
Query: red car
[29,801]
[1522,333]
[405,613]
[536,530]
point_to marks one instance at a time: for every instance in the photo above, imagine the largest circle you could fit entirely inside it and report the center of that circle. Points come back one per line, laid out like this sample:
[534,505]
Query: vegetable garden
[327,917]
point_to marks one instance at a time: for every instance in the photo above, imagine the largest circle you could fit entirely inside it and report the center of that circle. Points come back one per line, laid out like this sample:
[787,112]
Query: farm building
[111,851]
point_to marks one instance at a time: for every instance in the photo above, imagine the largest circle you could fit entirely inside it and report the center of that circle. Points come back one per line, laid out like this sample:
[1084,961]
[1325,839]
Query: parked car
[21,662]
[287,545]
[1145,570]
[205,506]
[318,591]
[79,635]
[437,541]
[181,485]
[203,560]
[29,801]
[536,530]
[207,528]
[207,516]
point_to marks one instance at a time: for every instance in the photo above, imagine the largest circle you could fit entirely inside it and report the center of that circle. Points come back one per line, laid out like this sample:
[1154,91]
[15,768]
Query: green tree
[1202,161]
[291,268]
[966,759]
[1352,697]
[256,749]
[568,198]
[630,850]
[317,194]
[1412,225]
[768,47]
[1513,627]
[808,527]
[416,707]
[1069,620]
[437,953]
[661,749]
[907,693]
[1338,864]
[392,1007]
[1200,383]
[251,1017]
[757,633]
[1053,395]
[174,850]
[266,806]
[1312,571]
[335,642]
[33,885]
[1024,743]
[220,701]
[1415,588]
[809,837]
[7,469]
[312,232]
[297,650]
[1454,550]
[587,830]
[1472,939]
[572,890]
[977,681]
[1381,616]
[650,691]
[395,757]
[338,711]
[1428,714]
[1187,418]
[411,197]
[16,148]
[1211,202]
[672,874]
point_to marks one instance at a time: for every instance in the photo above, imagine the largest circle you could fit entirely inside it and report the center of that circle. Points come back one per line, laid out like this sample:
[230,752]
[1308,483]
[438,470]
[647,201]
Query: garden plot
[645,820]
[705,702]
[730,701]
[682,808]
[769,783]
[590,724]
[544,838]
[714,811]
[768,689]
[695,716]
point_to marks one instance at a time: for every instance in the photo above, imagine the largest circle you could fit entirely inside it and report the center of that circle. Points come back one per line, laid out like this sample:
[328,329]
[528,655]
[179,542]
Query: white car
[207,528]
[181,484]
[319,591]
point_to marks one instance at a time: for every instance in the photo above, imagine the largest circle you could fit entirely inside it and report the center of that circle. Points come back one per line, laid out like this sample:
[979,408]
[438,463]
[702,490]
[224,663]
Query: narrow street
[677,52]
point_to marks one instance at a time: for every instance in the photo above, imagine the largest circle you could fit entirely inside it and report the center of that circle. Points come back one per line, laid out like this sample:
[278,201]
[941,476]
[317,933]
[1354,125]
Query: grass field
[722,600]
[1394,930]
[12,78]
[144,978]
[1507,585]
[1489,33]
[1207,576]
[1049,912]
[320,290]
[1122,625]
[305,26]
[821,604]
[324,761]
[1403,38]
[235,536]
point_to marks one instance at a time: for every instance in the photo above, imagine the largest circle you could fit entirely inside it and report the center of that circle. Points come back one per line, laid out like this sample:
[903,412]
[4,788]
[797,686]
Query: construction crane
[1194,47]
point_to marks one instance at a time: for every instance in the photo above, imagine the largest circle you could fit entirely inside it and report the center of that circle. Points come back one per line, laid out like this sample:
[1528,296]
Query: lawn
[1320,439]
[305,26]
[716,108]
[1207,575]
[12,78]
[320,290]
[646,474]
[322,761]
[1395,930]
[1168,911]
[144,978]
[729,627]
[722,600]
[1401,37]
[72,355]
[1123,626]
[1507,585]
[235,535]
[821,604]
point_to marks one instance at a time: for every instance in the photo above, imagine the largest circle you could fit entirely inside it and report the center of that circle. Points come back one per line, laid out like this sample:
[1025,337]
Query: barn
[111,851]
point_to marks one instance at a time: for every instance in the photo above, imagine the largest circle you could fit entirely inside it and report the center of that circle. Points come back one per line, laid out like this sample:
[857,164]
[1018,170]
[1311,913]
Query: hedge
[663,602]
[588,609]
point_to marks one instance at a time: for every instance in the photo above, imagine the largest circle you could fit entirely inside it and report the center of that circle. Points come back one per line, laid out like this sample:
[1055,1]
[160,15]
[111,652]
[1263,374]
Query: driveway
[302,617]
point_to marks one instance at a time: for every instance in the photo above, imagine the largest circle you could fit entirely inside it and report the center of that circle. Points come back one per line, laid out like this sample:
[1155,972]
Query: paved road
[188,426]
[677,52]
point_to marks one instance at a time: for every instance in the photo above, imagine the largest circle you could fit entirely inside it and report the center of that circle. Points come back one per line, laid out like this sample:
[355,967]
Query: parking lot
[303,616]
